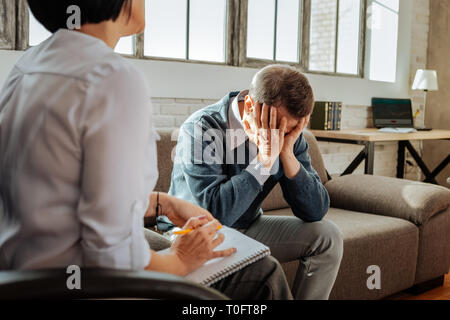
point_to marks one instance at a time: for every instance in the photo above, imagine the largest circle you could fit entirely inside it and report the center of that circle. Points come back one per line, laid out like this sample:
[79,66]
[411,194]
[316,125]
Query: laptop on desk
[394,115]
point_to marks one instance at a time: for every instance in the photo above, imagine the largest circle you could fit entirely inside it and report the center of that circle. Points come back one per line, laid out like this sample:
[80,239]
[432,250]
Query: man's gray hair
[282,85]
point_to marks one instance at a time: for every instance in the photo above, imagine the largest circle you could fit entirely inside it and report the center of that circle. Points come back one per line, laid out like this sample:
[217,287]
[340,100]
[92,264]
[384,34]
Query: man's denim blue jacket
[229,191]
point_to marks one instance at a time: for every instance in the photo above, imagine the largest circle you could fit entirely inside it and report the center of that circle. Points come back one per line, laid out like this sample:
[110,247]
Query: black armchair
[101,284]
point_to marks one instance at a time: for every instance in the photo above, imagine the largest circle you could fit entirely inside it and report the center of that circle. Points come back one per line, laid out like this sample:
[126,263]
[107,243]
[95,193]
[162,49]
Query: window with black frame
[186,30]
[274,30]
[335,38]
[356,38]
[320,36]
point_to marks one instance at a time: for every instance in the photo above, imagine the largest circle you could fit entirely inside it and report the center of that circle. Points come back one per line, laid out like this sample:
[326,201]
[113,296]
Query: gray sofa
[401,226]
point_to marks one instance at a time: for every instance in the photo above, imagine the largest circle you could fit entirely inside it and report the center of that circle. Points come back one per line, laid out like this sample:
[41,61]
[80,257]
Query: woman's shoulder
[112,65]
[93,63]
[116,82]
[117,77]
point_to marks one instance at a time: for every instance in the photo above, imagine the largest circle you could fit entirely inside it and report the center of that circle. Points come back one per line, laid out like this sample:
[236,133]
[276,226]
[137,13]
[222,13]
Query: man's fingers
[304,123]
[307,119]
[258,114]
[248,130]
[263,135]
[223,253]
[283,125]
[247,125]
[299,128]
[273,118]
[265,116]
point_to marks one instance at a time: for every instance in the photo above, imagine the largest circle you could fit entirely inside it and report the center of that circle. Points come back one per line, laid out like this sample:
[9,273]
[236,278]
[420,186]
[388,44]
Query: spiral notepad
[248,252]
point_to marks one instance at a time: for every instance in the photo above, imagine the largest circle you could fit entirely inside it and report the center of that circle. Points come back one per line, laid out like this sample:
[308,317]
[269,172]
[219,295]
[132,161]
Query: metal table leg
[420,163]
[401,160]
[355,163]
[370,158]
[439,168]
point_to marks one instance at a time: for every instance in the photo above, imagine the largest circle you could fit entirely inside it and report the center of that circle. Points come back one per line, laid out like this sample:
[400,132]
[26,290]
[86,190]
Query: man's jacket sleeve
[305,193]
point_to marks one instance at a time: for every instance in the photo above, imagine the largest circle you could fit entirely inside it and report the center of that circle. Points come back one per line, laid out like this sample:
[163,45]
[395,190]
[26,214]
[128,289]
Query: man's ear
[248,105]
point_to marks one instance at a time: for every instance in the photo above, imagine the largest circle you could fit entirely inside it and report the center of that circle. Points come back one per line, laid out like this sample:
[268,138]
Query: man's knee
[270,265]
[156,241]
[276,286]
[328,238]
[270,269]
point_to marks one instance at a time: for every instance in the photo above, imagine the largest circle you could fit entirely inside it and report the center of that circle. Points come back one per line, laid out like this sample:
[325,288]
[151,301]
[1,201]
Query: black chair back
[101,284]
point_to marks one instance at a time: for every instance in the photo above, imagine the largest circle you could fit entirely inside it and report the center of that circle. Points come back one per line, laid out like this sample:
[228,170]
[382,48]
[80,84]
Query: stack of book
[326,116]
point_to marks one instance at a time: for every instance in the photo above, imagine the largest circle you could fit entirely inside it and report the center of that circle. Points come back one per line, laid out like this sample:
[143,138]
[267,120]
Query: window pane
[391,4]
[207,30]
[165,31]
[288,30]
[348,36]
[383,43]
[261,29]
[125,46]
[323,35]
[38,33]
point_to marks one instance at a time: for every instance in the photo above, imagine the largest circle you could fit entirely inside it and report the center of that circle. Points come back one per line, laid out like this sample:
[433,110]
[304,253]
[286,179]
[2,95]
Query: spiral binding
[236,267]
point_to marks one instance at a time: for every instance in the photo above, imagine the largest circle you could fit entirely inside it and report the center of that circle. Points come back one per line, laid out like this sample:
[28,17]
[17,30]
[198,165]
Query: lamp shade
[426,80]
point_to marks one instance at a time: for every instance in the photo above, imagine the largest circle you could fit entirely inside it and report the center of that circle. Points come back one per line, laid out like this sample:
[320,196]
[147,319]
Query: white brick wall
[419,48]
[171,113]
[323,26]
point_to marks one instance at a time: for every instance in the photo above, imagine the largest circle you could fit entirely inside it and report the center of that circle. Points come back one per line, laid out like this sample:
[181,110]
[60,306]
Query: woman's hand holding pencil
[186,231]
[197,241]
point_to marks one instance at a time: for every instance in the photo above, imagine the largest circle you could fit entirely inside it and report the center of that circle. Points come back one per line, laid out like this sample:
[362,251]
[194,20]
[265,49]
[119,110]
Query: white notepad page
[248,252]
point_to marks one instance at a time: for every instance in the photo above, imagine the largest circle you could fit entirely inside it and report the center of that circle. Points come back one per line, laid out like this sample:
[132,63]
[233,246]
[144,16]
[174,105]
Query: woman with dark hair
[78,159]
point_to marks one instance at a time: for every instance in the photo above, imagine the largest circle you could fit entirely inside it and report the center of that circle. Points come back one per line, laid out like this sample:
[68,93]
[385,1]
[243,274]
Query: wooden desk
[368,138]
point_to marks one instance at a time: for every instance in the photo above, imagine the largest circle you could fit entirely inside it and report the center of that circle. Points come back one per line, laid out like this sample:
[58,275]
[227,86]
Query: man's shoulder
[213,116]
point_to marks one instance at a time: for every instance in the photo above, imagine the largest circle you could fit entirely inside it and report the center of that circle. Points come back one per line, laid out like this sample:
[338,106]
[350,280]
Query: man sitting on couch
[230,155]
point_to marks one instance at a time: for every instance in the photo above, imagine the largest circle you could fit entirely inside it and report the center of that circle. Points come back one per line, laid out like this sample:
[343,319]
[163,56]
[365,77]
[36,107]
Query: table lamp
[425,80]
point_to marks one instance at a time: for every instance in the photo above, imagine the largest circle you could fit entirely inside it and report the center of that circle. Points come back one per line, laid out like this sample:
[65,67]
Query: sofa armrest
[409,200]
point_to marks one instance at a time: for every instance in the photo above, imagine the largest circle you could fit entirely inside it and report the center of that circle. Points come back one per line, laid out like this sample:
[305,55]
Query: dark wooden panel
[7,24]
[22,25]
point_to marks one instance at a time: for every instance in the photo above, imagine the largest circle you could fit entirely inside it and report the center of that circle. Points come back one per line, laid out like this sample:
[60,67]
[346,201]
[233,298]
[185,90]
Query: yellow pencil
[186,231]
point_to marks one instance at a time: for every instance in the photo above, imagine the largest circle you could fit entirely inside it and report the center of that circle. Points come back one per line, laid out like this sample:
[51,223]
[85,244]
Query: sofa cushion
[166,153]
[390,243]
[274,200]
[434,248]
[156,241]
[316,157]
[413,201]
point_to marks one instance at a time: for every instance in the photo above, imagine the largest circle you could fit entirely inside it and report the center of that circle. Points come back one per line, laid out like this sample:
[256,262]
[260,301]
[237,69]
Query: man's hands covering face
[260,124]
[292,137]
